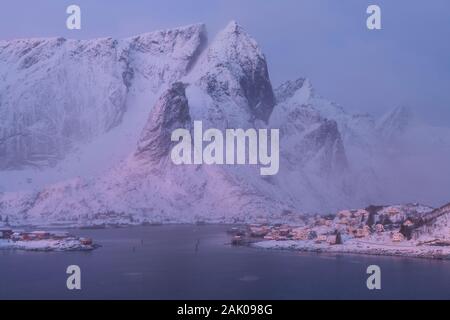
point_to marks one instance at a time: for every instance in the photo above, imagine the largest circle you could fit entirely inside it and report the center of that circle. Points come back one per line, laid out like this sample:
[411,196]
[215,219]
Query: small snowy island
[42,241]
[409,230]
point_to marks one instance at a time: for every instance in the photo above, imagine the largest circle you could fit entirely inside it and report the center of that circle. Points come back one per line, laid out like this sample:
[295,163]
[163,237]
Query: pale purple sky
[406,63]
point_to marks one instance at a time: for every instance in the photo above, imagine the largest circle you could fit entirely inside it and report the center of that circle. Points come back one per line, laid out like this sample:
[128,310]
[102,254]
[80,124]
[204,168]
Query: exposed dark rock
[171,112]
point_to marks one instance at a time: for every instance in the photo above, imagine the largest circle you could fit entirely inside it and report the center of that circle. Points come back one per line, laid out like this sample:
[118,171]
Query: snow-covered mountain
[96,117]
[57,94]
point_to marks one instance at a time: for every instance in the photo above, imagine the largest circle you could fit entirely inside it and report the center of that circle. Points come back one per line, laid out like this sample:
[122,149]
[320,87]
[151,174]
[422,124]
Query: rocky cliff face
[171,112]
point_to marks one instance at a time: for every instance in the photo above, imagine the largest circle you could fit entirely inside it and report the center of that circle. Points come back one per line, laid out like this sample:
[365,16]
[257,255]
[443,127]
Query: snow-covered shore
[46,245]
[354,246]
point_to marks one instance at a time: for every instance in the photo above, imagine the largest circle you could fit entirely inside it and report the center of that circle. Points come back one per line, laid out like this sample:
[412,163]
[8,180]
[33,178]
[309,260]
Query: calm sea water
[196,262]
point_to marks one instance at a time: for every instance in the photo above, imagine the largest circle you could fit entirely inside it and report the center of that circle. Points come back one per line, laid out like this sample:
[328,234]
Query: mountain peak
[234,34]
[234,66]
[233,27]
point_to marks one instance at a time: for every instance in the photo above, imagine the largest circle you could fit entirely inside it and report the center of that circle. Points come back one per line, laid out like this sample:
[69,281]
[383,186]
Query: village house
[278,236]
[284,231]
[362,232]
[362,213]
[344,221]
[17,236]
[392,211]
[273,234]
[408,223]
[332,240]
[269,237]
[28,236]
[300,234]
[86,241]
[379,228]
[40,235]
[351,229]
[344,214]
[398,237]
[259,232]
[303,234]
